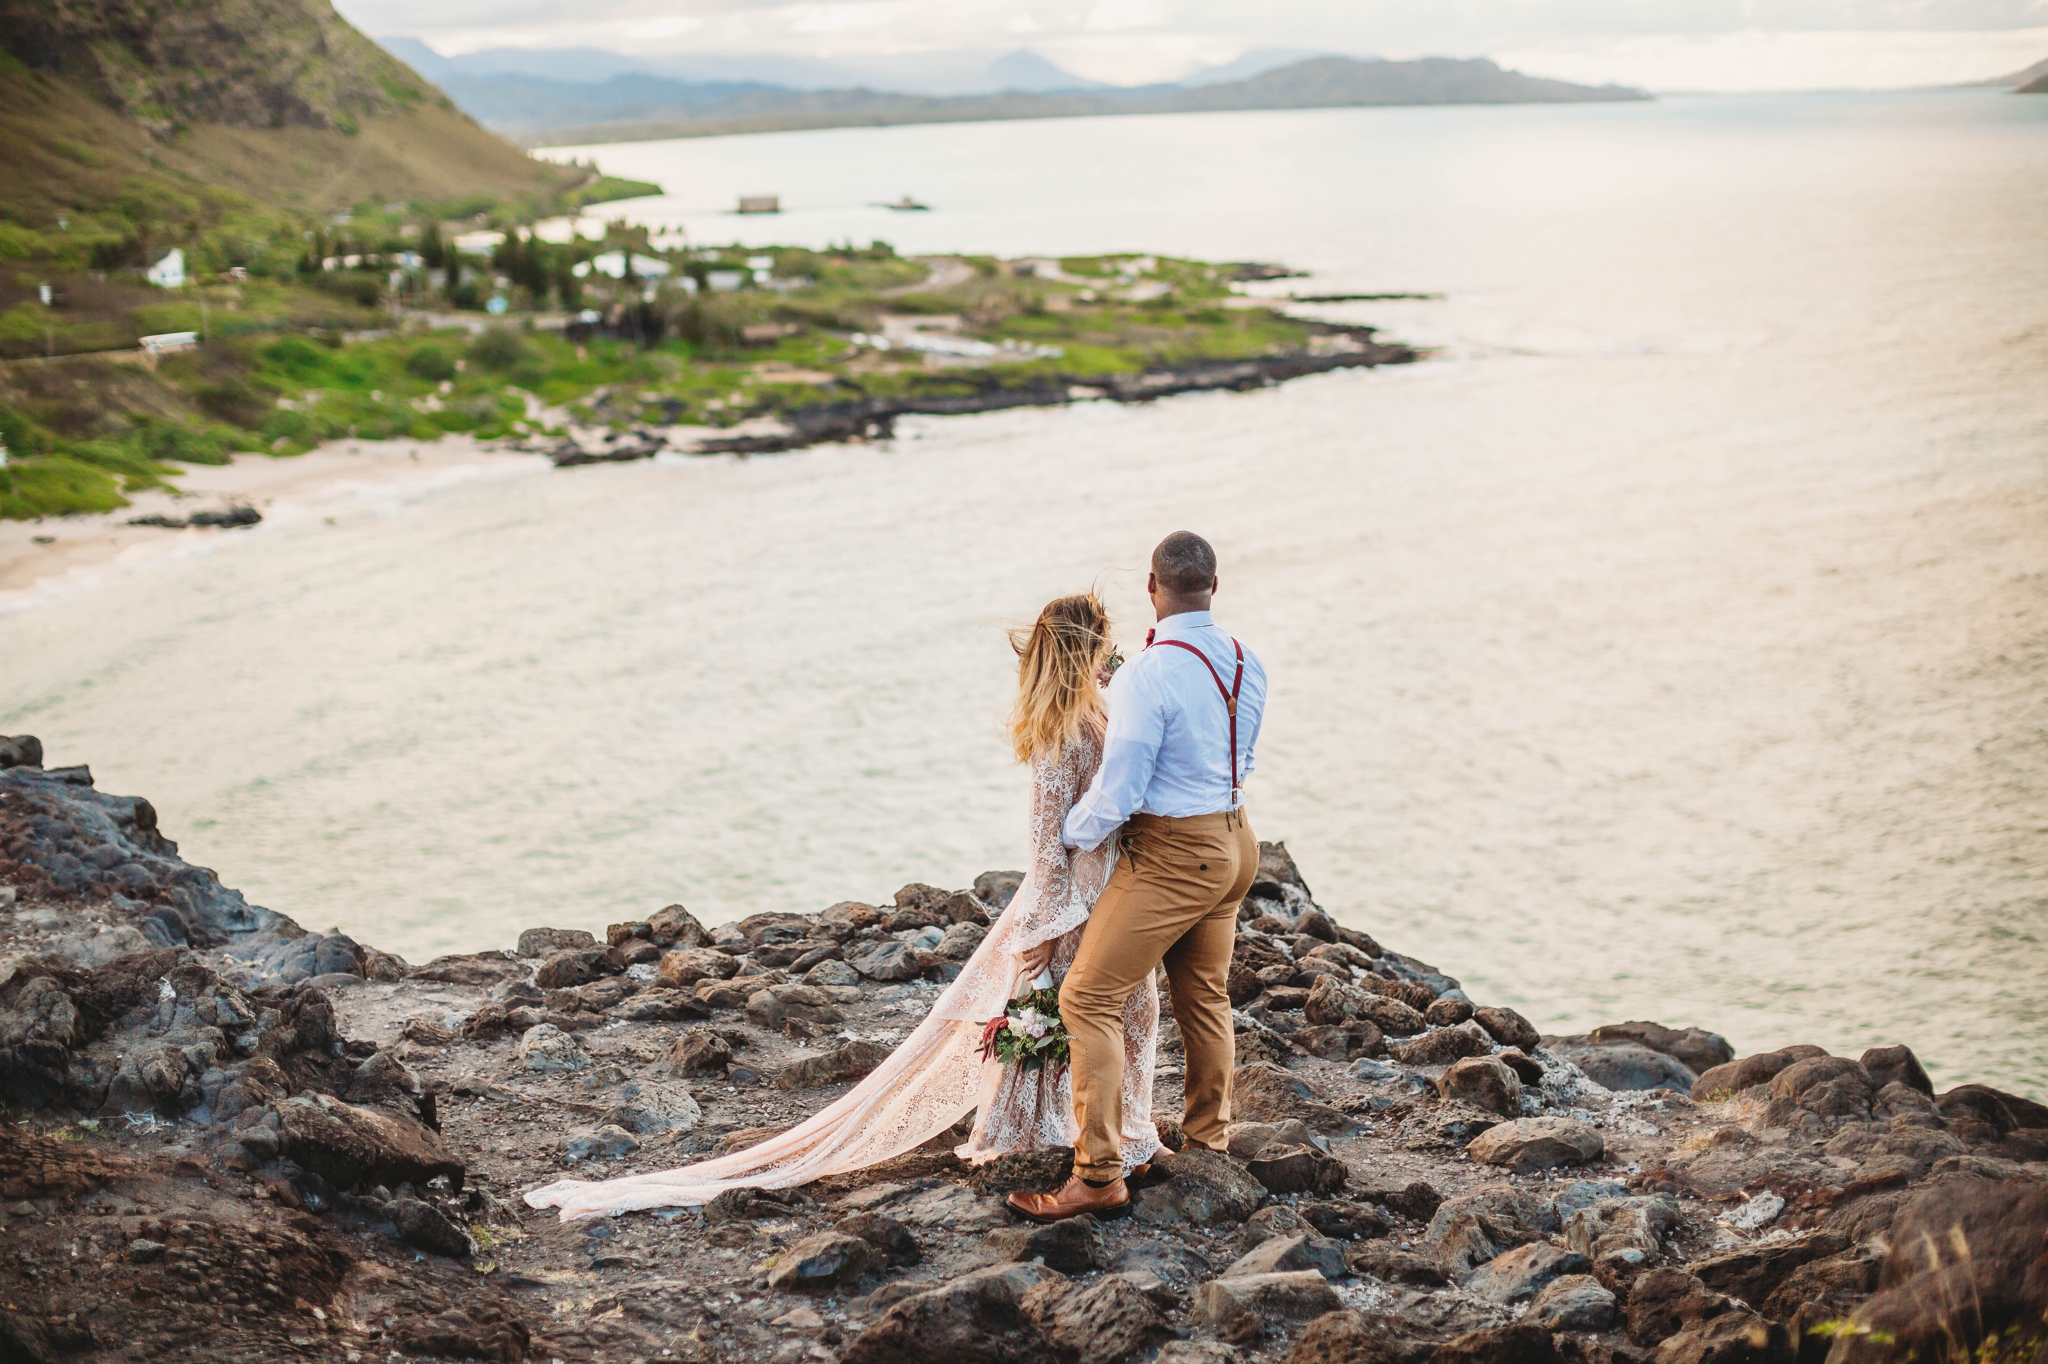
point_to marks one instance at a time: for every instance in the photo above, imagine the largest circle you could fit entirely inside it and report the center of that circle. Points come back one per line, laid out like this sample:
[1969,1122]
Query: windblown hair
[1184,563]
[1056,663]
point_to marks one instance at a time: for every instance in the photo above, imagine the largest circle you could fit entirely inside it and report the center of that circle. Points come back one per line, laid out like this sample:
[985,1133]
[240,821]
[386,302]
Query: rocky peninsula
[229,1138]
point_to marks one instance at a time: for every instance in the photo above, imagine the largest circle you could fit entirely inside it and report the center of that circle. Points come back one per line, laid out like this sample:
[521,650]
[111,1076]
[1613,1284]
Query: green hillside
[262,139]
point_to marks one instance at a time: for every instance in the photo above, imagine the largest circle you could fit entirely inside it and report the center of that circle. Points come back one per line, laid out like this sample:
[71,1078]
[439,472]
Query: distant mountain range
[2032,81]
[587,99]
[938,73]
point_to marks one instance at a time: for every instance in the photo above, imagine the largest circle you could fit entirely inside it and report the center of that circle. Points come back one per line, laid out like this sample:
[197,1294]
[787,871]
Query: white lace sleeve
[1049,904]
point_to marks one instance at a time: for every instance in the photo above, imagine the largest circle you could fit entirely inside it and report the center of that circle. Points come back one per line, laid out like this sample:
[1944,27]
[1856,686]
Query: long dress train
[937,1075]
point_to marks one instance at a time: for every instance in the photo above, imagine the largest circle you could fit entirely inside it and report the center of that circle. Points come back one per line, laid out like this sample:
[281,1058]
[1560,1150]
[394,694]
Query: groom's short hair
[1184,563]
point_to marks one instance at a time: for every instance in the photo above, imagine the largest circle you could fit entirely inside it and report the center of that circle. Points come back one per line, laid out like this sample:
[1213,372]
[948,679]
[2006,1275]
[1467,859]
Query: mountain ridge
[1318,82]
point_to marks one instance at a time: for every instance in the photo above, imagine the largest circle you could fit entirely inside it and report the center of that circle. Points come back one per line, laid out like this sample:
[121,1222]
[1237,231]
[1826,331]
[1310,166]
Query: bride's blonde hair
[1056,663]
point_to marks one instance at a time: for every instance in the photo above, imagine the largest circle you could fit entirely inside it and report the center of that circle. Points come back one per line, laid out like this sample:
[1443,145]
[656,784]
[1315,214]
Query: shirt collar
[1182,624]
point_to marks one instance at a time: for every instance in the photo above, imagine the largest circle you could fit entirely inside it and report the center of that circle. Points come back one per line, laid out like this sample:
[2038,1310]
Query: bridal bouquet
[1028,1033]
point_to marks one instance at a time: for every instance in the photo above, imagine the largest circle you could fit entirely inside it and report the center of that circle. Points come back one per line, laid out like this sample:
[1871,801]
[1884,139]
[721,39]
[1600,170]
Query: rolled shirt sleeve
[1130,750]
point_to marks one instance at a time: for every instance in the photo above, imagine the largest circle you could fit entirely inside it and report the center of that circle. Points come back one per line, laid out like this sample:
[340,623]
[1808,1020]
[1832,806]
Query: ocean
[1672,643]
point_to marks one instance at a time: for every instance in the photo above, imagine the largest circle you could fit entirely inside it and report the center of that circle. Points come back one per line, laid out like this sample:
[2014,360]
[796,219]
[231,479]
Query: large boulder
[890,1238]
[1484,1082]
[1288,1255]
[977,1318]
[702,1051]
[1478,1225]
[1888,1065]
[1072,1246]
[777,1004]
[1530,1144]
[1664,1302]
[1698,1049]
[995,888]
[1522,1343]
[1724,1081]
[578,966]
[766,930]
[546,1047]
[352,1147]
[1264,1092]
[1287,1169]
[1628,1066]
[836,1067]
[1520,1274]
[1207,1189]
[1442,1046]
[822,1262]
[684,968]
[425,1227]
[1753,1272]
[539,942]
[1246,1139]
[1573,1302]
[1962,1240]
[889,961]
[648,1107]
[1617,1226]
[1333,999]
[1299,1296]
[1736,1337]
[675,926]
[20,750]
[1105,1323]
[1507,1027]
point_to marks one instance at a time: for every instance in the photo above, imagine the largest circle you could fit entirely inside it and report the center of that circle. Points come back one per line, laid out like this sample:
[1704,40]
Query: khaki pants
[1173,898]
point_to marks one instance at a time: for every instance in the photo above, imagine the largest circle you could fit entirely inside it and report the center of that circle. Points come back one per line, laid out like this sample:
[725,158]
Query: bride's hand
[1036,959]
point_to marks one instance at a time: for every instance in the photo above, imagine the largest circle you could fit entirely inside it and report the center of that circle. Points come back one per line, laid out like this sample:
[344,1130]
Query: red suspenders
[1229,695]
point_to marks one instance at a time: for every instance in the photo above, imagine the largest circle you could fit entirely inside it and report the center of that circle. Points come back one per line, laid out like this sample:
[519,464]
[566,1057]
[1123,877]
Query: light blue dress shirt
[1167,750]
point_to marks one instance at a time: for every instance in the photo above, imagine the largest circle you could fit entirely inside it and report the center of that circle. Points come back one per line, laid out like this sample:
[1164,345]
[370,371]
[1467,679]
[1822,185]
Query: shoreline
[59,554]
[867,419]
[233,1139]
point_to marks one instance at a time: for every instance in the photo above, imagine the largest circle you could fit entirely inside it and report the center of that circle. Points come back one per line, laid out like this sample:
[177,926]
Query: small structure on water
[908,205]
[760,203]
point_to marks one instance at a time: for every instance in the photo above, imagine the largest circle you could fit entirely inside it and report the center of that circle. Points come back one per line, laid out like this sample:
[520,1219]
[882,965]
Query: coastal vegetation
[545,342]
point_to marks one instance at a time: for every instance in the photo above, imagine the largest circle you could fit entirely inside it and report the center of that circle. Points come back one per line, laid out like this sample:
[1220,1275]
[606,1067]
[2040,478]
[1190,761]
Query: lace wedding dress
[937,1075]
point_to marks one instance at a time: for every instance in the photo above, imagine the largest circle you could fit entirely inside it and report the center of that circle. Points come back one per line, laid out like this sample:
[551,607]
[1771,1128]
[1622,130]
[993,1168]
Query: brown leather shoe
[1072,1199]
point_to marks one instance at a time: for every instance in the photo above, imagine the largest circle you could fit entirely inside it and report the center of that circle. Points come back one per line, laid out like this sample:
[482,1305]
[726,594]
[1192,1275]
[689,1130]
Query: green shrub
[160,440]
[297,357]
[498,349]
[55,486]
[431,363]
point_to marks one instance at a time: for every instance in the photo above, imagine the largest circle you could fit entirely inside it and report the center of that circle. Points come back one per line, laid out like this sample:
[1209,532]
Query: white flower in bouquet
[1032,1023]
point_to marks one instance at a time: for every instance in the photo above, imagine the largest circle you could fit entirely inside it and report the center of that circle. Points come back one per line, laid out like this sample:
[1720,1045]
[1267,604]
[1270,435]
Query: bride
[938,1075]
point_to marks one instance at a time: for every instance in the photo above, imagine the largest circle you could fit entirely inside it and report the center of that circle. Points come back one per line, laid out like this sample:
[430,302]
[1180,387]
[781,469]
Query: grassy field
[324,354]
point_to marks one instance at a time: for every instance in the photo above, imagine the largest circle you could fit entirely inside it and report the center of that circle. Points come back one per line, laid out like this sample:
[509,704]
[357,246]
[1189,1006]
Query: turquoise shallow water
[1670,646]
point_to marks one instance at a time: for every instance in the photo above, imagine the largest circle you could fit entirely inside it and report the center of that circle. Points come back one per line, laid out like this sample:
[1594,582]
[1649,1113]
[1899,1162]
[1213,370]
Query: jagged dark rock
[284,1115]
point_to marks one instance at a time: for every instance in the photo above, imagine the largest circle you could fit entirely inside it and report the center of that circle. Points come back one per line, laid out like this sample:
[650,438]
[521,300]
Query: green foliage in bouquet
[1028,1034]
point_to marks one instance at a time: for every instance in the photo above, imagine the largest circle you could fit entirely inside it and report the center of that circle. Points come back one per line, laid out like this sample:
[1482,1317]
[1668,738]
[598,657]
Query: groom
[1183,718]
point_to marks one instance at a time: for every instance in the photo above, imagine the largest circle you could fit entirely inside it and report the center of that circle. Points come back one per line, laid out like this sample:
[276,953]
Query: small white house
[169,273]
[478,243]
[613,263]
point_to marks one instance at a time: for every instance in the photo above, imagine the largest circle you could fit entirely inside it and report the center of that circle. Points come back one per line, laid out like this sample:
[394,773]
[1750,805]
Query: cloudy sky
[1664,44]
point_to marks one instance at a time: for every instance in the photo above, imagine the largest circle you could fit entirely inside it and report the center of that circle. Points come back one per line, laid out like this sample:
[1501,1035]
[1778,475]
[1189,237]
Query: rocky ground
[231,1139]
